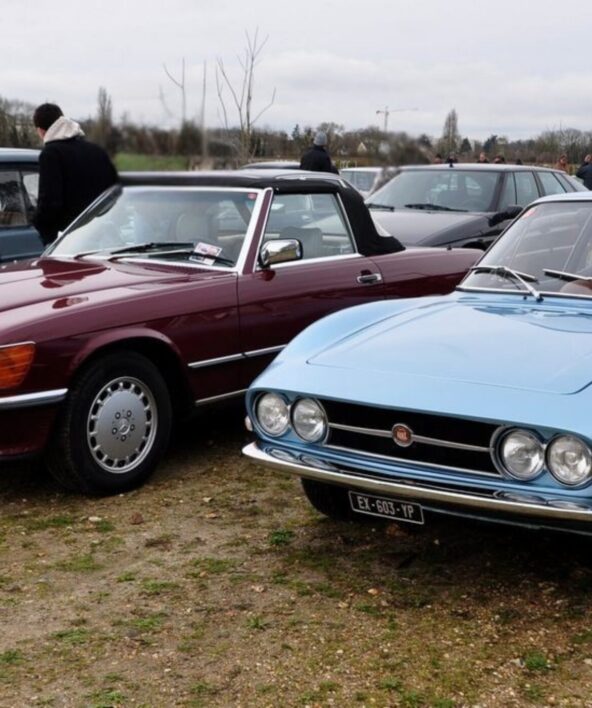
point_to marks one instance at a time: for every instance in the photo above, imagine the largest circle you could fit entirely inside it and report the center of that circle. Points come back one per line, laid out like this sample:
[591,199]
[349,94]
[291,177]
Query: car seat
[311,240]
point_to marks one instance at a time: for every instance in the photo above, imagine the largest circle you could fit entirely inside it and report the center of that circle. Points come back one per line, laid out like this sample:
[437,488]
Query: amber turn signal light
[15,362]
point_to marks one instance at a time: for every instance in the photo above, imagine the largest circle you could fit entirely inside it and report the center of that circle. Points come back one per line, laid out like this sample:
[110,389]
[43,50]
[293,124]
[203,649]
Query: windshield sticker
[252,196]
[207,251]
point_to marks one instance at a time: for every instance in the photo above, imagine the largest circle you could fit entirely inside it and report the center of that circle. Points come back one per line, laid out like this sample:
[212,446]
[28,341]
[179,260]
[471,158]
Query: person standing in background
[72,171]
[317,158]
[585,172]
[562,163]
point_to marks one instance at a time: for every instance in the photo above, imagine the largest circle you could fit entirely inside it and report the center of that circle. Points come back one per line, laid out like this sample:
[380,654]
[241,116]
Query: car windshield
[441,190]
[549,246]
[204,225]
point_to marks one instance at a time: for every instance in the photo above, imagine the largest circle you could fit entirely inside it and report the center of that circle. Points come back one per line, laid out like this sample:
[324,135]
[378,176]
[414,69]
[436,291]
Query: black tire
[114,428]
[330,500]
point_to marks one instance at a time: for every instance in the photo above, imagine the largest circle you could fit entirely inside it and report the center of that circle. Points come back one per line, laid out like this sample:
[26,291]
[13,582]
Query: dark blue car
[19,182]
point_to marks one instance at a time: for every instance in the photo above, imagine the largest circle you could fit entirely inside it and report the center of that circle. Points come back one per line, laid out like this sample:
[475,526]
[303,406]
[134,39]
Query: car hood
[457,341]
[60,280]
[414,227]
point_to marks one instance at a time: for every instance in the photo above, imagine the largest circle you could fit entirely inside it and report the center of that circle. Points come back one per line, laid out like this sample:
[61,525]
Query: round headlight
[569,460]
[273,414]
[309,420]
[521,454]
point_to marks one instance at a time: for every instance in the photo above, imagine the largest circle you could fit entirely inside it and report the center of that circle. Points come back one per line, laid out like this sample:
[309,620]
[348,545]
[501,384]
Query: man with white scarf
[72,171]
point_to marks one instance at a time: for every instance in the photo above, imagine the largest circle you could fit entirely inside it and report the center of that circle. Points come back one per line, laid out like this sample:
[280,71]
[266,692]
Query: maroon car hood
[43,279]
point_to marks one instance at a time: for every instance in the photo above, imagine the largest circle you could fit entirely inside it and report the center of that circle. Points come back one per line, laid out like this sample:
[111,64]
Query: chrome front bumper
[529,507]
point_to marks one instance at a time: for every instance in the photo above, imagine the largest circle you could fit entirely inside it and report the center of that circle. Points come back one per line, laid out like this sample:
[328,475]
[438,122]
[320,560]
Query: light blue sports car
[473,404]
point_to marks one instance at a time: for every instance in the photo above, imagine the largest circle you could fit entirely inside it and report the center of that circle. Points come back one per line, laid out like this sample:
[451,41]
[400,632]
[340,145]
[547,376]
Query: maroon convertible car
[173,291]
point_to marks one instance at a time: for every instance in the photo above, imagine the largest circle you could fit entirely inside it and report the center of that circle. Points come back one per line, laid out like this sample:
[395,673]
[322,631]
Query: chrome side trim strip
[235,357]
[29,400]
[416,491]
[414,438]
[267,350]
[216,361]
[403,461]
[221,397]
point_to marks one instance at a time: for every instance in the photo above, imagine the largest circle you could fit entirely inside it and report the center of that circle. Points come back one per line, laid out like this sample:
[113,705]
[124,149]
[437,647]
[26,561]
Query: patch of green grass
[202,691]
[281,537]
[149,623]
[137,162]
[11,657]
[443,703]
[79,564]
[390,684]
[536,661]
[106,698]
[52,522]
[533,692]
[214,566]
[72,636]
[583,637]
[104,526]
[157,587]
[257,623]
[126,577]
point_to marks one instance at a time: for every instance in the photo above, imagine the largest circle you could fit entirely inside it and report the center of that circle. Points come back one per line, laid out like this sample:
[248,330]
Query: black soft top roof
[368,241]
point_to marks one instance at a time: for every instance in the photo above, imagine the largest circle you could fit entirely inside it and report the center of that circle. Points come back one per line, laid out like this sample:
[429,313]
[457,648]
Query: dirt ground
[217,585]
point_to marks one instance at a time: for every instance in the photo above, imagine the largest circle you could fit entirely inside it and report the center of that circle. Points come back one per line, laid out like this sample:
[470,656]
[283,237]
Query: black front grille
[437,427]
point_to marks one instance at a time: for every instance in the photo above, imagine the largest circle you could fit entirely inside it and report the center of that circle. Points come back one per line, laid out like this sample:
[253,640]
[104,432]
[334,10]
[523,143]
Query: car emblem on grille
[402,435]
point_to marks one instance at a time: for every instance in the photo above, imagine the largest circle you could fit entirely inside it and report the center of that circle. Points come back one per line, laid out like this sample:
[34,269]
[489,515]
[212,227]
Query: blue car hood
[511,344]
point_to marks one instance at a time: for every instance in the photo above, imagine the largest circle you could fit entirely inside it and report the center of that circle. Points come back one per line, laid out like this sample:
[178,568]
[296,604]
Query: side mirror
[280,251]
[510,212]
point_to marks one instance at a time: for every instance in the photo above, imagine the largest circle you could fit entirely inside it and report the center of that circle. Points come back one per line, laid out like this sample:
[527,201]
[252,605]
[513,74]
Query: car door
[276,303]
[18,198]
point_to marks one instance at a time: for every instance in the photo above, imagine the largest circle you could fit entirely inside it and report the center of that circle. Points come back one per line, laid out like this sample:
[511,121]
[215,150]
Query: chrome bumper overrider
[430,495]
[30,400]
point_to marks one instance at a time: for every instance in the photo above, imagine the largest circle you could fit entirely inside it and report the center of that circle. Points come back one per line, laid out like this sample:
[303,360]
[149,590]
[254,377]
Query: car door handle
[369,278]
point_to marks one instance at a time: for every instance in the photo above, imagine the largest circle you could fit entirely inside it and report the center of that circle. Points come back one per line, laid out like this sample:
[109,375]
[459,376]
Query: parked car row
[388,394]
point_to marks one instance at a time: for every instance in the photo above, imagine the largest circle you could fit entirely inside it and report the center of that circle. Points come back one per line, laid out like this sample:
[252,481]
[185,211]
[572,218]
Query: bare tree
[180,84]
[241,93]
[103,125]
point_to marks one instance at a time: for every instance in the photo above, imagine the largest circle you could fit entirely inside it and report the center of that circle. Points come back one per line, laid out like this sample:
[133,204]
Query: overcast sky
[513,68]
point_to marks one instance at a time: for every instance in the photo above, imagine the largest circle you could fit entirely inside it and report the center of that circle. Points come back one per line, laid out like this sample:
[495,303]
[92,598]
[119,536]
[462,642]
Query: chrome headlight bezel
[321,434]
[282,403]
[552,464]
[502,459]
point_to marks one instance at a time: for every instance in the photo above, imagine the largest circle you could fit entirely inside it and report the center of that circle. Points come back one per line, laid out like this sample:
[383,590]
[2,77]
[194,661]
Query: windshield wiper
[140,248]
[522,278]
[564,275]
[431,207]
[375,205]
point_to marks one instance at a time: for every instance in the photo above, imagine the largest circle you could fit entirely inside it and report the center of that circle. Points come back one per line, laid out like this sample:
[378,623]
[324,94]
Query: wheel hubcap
[122,424]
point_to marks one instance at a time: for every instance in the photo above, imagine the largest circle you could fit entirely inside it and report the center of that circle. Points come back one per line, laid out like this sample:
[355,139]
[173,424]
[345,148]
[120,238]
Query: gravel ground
[216,584]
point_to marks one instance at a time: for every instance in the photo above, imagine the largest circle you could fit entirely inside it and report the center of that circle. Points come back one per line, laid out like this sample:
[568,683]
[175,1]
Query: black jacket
[72,174]
[585,174]
[317,159]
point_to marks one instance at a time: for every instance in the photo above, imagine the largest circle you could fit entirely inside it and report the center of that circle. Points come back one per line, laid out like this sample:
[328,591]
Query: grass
[132,162]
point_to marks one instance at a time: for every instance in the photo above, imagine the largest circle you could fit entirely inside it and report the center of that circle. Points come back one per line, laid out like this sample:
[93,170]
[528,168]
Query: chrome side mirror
[280,251]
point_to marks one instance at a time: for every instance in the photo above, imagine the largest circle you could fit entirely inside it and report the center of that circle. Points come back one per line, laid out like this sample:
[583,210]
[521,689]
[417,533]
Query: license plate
[386,508]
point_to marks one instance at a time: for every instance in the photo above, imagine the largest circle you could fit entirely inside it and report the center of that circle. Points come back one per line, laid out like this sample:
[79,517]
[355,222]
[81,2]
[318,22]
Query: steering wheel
[109,236]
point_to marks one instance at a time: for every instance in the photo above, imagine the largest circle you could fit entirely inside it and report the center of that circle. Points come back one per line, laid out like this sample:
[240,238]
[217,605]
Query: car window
[31,185]
[508,197]
[13,211]
[551,184]
[362,180]
[456,189]
[553,236]
[526,188]
[316,221]
[208,222]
